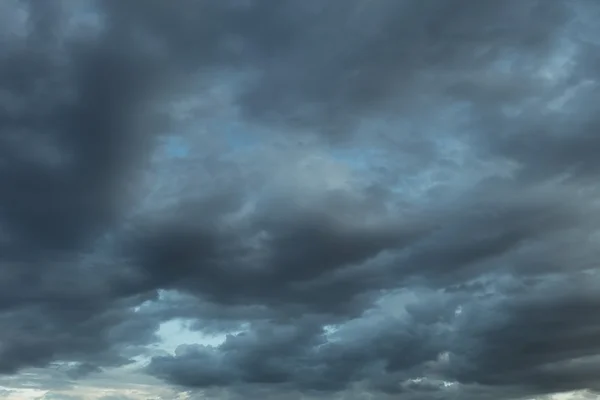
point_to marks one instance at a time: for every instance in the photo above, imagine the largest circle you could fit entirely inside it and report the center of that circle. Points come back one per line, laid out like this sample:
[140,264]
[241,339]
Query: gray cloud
[302,355]
[388,199]
[541,340]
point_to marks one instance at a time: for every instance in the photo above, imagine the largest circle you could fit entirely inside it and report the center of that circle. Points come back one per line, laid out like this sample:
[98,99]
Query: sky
[299,200]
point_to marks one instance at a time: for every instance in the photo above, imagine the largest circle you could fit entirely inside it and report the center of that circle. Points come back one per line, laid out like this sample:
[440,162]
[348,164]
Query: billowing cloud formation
[365,198]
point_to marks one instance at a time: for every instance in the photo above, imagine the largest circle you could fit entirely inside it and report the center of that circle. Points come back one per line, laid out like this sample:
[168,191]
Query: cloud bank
[392,199]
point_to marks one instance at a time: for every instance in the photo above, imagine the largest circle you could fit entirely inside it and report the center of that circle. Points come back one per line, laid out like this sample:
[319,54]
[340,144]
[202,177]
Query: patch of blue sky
[176,147]
[235,136]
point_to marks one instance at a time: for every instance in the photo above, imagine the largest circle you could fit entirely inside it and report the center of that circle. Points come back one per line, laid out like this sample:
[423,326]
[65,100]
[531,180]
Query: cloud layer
[393,198]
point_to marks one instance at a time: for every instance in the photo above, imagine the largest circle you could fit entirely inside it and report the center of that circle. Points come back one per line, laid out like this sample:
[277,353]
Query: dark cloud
[542,340]
[443,244]
[320,62]
[323,257]
[71,114]
[300,356]
[367,55]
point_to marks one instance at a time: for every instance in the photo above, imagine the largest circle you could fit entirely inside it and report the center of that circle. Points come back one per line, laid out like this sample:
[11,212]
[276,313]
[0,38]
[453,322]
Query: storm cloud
[394,199]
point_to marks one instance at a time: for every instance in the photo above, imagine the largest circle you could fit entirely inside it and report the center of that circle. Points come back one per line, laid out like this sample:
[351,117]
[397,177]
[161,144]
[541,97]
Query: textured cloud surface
[299,199]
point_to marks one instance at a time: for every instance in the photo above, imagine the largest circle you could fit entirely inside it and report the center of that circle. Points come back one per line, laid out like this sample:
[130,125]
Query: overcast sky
[299,199]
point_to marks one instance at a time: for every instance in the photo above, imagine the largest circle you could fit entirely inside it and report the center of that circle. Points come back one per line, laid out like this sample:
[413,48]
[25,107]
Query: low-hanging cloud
[391,198]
